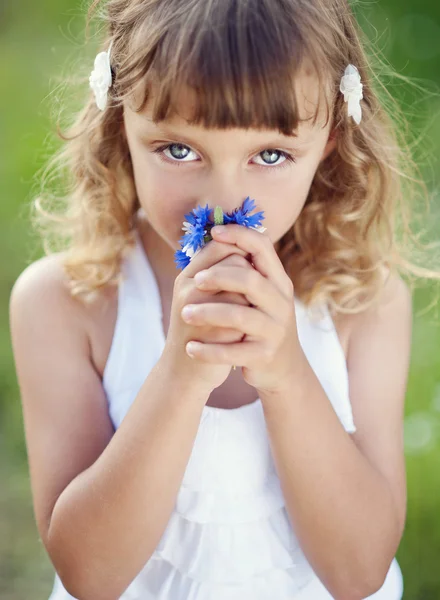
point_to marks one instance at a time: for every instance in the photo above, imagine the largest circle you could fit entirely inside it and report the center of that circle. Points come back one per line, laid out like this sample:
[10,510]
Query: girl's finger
[243,354]
[250,321]
[210,254]
[262,251]
[258,290]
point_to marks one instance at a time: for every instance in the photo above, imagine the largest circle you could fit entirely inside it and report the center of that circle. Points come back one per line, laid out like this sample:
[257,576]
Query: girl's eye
[270,156]
[179,153]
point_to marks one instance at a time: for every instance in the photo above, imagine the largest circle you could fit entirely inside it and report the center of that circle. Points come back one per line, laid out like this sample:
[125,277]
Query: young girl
[157,470]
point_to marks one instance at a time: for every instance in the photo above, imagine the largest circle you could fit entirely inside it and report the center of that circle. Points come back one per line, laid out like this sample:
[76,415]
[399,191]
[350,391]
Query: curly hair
[242,58]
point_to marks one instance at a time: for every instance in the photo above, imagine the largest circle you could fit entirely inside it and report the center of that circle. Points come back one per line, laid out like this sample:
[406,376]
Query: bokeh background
[39,42]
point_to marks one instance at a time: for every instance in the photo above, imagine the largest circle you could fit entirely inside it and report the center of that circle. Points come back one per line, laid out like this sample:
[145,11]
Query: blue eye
[273,155]
[177,153]
[270,157]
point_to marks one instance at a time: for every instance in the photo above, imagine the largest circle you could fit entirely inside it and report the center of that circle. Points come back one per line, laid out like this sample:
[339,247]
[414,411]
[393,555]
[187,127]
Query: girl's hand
[271,351]
[208,375]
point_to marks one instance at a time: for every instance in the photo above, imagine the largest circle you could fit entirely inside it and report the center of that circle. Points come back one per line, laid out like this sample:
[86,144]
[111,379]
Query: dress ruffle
[226,507]
[230,553]
[161,580]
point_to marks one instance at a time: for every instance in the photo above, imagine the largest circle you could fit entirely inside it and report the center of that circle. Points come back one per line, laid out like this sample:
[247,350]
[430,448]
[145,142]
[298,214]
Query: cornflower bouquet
[198,227]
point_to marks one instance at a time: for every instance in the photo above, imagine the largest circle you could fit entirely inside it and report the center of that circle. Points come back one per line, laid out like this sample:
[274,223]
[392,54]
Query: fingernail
[219,229]
[190,349]
[187,311]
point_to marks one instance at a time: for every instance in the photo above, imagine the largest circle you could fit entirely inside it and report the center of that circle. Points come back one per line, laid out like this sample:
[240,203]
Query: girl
[158,471]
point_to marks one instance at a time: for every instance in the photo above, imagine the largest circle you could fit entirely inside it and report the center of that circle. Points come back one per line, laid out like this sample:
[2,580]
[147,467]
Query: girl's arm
[346,494]
[102,499]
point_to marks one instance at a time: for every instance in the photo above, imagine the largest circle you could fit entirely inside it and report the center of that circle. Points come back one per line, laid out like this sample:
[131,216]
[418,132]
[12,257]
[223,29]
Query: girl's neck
[160,254]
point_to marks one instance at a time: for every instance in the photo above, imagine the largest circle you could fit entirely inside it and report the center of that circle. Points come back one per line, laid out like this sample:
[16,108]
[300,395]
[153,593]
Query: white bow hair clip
[351,87]
[101,78]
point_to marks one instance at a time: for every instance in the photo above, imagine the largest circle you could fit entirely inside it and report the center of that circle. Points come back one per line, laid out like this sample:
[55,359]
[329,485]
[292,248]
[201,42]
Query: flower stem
[218,216]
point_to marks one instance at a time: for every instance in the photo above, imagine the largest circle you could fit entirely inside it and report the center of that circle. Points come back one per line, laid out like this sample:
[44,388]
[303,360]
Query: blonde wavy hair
[241,58]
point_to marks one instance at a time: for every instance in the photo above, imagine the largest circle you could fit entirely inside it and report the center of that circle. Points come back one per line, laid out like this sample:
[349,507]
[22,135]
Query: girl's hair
[241,58]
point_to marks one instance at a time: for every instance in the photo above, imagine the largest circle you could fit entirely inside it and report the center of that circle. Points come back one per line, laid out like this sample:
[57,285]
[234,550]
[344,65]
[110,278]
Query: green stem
[218,216]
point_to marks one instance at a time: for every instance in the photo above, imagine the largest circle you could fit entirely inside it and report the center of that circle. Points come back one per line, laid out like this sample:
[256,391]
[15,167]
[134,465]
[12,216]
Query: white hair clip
[351,87]
[101,78]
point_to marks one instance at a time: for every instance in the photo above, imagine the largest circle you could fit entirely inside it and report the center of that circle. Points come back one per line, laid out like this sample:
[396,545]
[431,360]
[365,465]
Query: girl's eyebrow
[158,131]
[273,142]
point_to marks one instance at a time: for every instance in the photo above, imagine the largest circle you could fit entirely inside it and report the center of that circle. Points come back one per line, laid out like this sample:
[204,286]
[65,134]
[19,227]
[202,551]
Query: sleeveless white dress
[229,536]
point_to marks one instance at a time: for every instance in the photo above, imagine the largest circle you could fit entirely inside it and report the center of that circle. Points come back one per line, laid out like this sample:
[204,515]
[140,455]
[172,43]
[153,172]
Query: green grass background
[38,43]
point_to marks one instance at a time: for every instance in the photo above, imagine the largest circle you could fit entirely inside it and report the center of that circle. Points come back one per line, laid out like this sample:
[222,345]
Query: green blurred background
[39,42]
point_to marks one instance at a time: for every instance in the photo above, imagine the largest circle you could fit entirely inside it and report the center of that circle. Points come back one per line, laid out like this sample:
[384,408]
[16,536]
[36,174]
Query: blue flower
[181,259]
[198,227]
[241,217]
[195,228]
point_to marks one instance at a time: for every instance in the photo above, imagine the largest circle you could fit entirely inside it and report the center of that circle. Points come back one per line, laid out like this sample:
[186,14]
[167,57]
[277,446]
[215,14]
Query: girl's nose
[224,187]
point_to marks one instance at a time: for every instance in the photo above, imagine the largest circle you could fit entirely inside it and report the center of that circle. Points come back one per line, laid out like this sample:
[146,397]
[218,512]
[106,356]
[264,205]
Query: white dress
[229,536]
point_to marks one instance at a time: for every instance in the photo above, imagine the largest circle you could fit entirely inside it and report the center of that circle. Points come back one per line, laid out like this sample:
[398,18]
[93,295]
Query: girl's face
[178,166]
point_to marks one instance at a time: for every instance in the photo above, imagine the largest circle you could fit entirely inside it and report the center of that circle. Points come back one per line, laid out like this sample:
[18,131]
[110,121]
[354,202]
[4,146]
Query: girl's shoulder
[43,286]
[45,280]
[394,297]
[394,301]
[42,292]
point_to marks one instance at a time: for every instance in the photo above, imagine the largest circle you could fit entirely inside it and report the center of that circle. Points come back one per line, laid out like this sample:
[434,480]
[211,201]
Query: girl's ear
[331,144]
